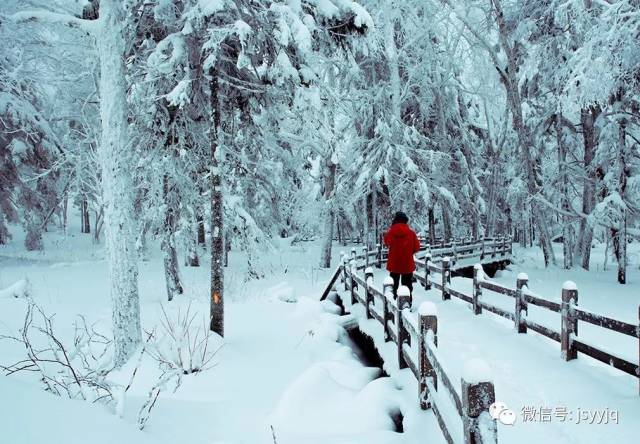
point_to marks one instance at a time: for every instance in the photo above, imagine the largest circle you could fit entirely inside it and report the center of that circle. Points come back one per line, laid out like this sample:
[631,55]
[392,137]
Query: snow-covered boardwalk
[554,401]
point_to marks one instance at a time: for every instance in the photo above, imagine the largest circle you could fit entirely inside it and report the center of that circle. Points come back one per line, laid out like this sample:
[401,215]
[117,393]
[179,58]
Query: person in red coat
[403,243]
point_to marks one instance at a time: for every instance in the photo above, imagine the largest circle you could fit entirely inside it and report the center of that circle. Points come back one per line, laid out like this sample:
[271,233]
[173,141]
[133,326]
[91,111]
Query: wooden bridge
[415,333]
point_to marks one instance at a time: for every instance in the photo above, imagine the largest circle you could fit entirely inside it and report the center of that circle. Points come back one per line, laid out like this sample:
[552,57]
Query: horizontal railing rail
[416,340]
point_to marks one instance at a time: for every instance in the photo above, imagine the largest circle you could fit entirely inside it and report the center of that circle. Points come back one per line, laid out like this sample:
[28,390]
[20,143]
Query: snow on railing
[415,336]
[568,309]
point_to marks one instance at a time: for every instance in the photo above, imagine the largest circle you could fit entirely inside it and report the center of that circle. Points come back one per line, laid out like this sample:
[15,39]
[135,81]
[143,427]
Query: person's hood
[399,230]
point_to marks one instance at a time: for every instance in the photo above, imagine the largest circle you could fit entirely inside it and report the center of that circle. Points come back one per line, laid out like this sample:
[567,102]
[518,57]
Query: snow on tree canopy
[210,7]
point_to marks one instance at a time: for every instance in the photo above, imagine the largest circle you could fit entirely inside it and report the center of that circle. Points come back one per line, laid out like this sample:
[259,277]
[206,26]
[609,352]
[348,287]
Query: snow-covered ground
[286,372]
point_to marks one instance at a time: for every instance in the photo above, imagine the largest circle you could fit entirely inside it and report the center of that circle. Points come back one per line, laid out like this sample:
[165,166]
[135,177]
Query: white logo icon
[499,411]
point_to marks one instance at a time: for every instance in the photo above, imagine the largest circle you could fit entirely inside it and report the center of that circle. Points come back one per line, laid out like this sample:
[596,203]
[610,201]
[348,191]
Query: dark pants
[405,279]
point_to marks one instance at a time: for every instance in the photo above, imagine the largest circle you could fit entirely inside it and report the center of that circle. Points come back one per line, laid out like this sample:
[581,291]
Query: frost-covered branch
[41,16]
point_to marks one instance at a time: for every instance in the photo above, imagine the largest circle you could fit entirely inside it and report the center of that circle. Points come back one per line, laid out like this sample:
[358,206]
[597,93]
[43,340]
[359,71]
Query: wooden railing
[486,249]
[416,339]
[567,308]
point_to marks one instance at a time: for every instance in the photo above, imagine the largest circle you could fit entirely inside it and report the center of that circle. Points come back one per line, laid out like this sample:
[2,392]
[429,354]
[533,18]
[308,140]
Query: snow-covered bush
[76,370]
[182,345]
[84,368]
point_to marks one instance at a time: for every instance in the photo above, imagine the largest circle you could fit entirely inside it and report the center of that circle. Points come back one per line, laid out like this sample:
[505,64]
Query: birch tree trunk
[217,227]
[117,182]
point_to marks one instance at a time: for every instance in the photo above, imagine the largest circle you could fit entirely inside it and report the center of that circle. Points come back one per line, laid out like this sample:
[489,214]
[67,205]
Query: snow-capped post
[365,251]
[404,301]
[478,275]
[387,291]
[368,279]
[478,394]
[504,245]
[494,246]
[569,325]
[353,254]
[521,303]
[482,247]
[344,269]
[446,277]
[428,323]
[379,255]
[427,259]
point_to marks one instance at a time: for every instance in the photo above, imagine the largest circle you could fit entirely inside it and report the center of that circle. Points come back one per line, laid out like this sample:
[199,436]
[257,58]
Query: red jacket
[403,243]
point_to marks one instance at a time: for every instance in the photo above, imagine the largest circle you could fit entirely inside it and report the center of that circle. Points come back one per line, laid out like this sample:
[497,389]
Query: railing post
[504,245]
[493,247]
[482,251]
[428,322]
[344,269]
[478,394]
[427,259]
[478,275]
[368,279]
[569,326]
[404,301]
[353,270]
[379,256]
[387,291]
[522,307]
[455,252]
[353,254]
[446,277]
[365,251]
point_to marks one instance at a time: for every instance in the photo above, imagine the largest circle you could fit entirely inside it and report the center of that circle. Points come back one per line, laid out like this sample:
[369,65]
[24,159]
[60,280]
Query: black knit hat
[400,217]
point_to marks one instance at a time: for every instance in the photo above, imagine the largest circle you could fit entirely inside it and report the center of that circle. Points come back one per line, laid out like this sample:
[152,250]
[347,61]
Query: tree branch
[42,16]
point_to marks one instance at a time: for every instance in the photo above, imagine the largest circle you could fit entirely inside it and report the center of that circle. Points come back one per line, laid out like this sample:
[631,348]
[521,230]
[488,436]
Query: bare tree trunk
[510,82]
[624,176]
[65,213]
[192,259]
[217,227]
[585,233]
[329,215]
[84,214]
[117,181]
[432,225]
[371,230]
[168,244]
[446,223]
[567,231]
[201,232]
[4,231]
[227,247]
